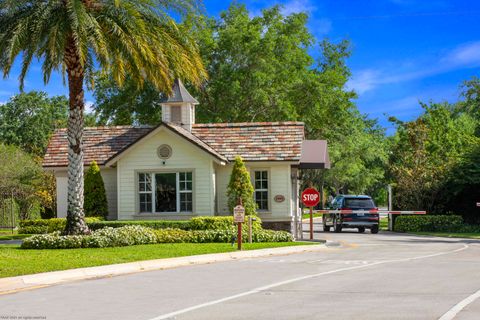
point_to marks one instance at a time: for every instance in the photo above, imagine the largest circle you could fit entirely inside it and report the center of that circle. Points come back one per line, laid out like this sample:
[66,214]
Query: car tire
[374,229]
[361,229]
[326,228]
[336,226]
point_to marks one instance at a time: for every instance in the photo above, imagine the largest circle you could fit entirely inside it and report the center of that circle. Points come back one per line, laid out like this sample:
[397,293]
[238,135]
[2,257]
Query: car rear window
[358,203]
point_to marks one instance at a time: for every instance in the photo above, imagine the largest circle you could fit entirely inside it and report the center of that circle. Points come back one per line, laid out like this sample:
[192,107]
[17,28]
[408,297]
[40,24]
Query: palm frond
[134,37]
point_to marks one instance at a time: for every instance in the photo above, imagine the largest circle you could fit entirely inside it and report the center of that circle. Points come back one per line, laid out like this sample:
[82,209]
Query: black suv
[361,220]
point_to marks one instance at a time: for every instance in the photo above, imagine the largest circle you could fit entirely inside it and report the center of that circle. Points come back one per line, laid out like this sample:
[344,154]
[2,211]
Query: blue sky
[404,51]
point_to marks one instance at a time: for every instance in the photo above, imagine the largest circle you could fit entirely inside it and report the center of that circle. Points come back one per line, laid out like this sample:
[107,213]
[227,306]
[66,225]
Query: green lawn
[15,261]
[470,235]
[9,235]
[13,236]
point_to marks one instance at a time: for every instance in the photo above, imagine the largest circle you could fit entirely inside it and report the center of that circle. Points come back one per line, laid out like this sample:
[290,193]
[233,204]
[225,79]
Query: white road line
[278,284]
[450,314]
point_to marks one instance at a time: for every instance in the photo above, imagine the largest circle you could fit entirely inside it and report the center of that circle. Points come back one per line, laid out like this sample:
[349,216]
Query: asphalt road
[383,276]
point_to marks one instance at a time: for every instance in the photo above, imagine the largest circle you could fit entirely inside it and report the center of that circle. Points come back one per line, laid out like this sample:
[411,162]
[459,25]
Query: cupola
[179,107]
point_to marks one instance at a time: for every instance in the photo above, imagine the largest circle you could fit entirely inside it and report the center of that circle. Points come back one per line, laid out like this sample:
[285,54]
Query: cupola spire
[179,106]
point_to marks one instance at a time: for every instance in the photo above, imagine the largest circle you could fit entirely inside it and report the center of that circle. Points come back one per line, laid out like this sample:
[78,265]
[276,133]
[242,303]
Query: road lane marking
[282,283]
[456,309]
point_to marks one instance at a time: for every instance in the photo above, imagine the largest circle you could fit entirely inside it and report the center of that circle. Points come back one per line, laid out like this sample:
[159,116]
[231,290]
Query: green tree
[21,175]
[127,104]
[136,37]
[240,187]
[96,204]
[261,69]
[28,119]
[425,152]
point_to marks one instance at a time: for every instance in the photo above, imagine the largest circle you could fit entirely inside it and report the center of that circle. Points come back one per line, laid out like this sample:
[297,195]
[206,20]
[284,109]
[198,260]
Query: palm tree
[137,38]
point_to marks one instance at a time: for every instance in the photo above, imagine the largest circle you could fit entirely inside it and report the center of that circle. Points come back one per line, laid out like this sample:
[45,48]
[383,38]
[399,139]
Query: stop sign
[310,197]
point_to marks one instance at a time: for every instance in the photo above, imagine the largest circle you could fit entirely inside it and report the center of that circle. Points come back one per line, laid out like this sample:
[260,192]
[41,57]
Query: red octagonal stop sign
[310,197]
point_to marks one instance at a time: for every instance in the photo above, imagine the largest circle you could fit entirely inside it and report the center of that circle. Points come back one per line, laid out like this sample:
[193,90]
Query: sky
[403,51]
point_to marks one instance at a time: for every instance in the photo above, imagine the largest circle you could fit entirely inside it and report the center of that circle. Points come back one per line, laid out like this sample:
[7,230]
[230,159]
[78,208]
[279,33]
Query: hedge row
[429,223]
[135,235]
[39,226]
[198,223]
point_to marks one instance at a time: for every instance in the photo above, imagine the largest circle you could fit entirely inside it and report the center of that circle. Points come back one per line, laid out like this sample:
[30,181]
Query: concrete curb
[40,280]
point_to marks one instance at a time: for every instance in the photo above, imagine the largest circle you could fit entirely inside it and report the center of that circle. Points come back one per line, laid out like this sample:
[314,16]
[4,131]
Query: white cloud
[296,6]
[364,80]
[464,56]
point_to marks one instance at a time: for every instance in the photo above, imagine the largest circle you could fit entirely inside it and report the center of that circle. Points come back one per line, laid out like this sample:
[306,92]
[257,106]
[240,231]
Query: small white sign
[239,214]
[478,204]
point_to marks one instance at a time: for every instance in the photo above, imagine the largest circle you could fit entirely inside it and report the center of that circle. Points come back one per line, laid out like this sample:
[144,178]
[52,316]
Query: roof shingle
[258,141]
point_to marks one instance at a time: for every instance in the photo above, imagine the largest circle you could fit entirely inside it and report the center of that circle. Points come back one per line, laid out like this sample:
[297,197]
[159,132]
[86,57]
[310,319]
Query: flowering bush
[134,235]
[107,237]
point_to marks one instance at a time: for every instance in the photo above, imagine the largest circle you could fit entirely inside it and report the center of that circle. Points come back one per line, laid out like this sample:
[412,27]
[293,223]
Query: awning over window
[314,155]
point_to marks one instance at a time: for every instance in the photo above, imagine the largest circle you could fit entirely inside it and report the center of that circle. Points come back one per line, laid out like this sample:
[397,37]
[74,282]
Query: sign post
[310,198]
[239,218]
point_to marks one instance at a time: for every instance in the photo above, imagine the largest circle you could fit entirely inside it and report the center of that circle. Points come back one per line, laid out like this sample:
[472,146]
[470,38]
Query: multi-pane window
[145,192]
[165,192]
[261,189]
[186,199]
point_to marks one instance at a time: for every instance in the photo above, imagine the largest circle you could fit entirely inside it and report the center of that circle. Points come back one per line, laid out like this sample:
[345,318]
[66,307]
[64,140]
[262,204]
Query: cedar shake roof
[258,141]
[99,144]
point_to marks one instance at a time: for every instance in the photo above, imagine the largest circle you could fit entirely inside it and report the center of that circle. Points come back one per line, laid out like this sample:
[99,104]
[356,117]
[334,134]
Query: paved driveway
[383,276]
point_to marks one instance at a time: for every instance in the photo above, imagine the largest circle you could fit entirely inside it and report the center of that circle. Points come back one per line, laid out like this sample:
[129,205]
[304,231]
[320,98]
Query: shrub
[220,223]
[199,223]
[428,223]
[154,224]
[107,237]
[219,236]
[47,225]
[173,236]
[135,235]
[95,203]
[240,187]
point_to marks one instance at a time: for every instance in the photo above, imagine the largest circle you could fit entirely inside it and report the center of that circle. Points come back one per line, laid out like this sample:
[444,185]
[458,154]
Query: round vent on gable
[164,151]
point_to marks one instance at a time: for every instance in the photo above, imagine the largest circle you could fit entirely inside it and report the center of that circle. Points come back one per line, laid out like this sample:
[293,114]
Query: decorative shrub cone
[95,204]
[240,186]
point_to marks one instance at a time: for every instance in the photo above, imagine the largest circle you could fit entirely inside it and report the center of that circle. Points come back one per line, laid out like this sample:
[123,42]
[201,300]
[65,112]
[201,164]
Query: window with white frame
[186,198]
[165,192]
[261,189]
[145,192]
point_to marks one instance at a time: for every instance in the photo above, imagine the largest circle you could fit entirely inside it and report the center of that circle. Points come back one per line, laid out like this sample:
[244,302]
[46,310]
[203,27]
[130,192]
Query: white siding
[109,176]
[279,184]
[62,185]
[142,157]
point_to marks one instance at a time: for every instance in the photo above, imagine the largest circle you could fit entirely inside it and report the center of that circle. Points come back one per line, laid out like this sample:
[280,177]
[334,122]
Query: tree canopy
[28,119]
[261,69]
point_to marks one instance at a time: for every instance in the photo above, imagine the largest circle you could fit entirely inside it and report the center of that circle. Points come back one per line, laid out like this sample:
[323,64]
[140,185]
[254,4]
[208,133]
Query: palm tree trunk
[75,73]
